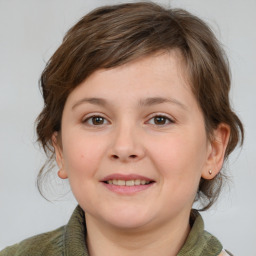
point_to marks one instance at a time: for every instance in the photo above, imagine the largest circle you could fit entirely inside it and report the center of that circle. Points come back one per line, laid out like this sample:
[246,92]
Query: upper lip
[117,176]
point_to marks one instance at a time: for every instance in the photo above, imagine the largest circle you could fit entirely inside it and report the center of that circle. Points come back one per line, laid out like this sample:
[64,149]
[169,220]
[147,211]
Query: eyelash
[91,117]
[166,119]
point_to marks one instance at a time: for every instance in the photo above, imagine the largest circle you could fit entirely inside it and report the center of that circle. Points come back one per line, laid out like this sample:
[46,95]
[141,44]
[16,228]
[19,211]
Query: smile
[128,182]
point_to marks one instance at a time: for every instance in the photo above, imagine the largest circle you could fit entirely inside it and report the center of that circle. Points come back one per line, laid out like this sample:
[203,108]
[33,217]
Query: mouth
[127,184]
[136,182]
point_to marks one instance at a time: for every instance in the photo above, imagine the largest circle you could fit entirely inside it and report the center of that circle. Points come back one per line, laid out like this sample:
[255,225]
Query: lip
[118,176]
[127,190]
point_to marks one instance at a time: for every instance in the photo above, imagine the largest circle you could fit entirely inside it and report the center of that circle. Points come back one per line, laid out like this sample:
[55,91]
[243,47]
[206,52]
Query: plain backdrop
[30,31]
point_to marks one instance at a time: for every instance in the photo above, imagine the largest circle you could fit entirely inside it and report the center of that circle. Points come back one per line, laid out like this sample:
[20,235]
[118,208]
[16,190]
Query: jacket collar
[198,243]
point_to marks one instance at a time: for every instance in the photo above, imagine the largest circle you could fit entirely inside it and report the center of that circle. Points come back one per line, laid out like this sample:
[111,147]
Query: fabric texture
[200,242]
[70,240]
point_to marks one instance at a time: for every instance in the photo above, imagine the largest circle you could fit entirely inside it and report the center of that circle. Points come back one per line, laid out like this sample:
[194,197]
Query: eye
[160,120]
[95,120]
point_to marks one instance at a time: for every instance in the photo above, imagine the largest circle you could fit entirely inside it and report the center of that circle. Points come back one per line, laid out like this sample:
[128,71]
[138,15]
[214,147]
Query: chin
[128,218]
[128,223]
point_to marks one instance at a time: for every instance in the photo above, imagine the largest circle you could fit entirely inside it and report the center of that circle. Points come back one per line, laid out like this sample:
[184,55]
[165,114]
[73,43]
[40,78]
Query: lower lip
[127,190]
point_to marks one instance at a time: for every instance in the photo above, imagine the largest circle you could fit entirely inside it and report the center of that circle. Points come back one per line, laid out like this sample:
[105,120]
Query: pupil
[97,120]
[160,120]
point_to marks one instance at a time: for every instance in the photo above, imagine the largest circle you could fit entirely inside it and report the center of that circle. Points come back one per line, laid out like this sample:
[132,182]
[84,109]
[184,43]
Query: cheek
[81,156]
[179,158]
[179,163]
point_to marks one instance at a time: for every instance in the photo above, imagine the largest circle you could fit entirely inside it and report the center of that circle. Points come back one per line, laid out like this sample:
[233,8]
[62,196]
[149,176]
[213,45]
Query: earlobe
[62,174]
[209,174]
[217,151]
[59,156]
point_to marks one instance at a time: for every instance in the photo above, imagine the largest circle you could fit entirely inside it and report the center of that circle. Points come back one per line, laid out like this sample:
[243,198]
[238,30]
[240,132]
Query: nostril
[120,157]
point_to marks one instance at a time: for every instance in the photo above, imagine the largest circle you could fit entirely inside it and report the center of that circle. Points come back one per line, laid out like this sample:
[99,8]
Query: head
[114,36]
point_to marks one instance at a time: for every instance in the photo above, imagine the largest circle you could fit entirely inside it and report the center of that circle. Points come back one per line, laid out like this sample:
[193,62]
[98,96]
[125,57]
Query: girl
[137,116]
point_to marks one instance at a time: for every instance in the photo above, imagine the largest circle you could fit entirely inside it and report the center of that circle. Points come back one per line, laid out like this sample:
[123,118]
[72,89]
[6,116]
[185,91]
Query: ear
[217,149]
[59,156]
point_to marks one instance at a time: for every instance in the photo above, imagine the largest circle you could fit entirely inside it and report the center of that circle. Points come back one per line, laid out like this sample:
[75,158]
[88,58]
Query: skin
[128,139]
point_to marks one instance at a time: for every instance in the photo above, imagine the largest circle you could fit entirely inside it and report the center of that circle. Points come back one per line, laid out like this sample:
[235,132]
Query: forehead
[147,72]
[155,76]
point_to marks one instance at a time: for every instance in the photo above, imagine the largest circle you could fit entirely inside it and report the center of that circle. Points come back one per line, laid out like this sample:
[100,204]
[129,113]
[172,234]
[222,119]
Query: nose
[127,144]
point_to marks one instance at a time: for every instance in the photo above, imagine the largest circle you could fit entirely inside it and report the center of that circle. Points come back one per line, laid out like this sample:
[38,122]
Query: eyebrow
[94,101]
[147,102]
[158,100]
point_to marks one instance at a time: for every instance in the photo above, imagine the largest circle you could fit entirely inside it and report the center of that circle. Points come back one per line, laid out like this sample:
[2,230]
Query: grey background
[31,30]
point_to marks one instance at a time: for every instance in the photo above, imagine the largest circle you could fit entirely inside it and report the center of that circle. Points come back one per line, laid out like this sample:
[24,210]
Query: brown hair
[113,35]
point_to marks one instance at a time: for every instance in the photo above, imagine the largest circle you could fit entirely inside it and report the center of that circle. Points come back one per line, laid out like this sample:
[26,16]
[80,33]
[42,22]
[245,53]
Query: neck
[165,240]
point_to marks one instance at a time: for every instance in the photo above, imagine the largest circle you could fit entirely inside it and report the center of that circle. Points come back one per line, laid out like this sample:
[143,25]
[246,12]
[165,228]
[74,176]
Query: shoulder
[68,240]
[50,244]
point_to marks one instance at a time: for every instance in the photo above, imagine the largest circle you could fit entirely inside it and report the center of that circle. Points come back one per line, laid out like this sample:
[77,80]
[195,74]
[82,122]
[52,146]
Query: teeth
[128,182]
[137,182]
[120,182]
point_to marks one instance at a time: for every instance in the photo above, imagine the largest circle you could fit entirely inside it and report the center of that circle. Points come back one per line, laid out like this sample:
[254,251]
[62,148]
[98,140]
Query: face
[133,143]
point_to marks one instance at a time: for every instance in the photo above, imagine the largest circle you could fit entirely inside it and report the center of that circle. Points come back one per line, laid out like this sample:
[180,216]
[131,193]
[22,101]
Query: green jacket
[70,240]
